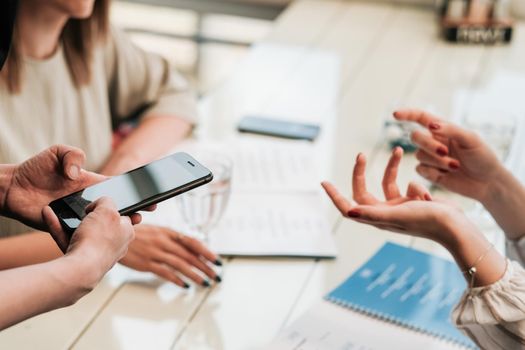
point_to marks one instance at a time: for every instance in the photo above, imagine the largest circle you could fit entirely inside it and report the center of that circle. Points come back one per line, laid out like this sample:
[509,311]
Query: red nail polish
[434,126]
[442,151]
[428,197]
[354,214]
[453,165]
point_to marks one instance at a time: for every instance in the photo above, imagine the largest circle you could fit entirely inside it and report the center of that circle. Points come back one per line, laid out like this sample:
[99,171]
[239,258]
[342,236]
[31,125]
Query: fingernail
[428,197]
[354,214]
[434,126]
[218,262]
[205,283]
[74,172]
[442,151]
[218,279]
[453,165]
[186,286]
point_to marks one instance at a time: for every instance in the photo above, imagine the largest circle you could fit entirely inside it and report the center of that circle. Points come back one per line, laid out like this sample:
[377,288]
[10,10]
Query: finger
[341,203]
[151,208]
[371,214]
[387,216]
[127,224]
[418,191]
[389,179]
[416,115]
[444,163]
[361,195]
[136,218]
[184,268]
[55,229]
[426,142]
[71,159]
[198,248]
[89,178]
[463,137]
[191,258]
[432,174]
[101,203]
[168,274]
[199,264]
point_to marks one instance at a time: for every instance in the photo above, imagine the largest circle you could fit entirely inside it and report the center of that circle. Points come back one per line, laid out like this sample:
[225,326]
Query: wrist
[471,249]
[86,267]
[458,231]
[6,179]
[462,234]
[496,188]
[74,278]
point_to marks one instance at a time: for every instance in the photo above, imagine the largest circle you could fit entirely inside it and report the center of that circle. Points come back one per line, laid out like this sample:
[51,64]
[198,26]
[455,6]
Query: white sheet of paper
[330,327]
[275,166]
[274,225]
[265,165]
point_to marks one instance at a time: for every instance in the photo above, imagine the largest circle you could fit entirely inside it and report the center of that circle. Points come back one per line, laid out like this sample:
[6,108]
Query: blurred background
[204,39]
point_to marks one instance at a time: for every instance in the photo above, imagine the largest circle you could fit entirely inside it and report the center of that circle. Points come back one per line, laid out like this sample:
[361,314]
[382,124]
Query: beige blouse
[50,110]
[494,316]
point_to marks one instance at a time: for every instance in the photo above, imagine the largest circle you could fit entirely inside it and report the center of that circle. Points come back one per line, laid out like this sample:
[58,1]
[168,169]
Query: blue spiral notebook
[409,288]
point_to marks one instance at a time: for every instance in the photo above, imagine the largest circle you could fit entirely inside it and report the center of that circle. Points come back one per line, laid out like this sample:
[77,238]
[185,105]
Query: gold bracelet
[472,270]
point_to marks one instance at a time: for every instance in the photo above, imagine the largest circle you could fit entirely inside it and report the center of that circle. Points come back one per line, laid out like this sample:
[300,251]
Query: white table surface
[351,63]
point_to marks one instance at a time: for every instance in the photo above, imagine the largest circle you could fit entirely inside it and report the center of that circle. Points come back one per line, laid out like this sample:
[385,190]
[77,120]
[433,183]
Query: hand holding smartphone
[136,189]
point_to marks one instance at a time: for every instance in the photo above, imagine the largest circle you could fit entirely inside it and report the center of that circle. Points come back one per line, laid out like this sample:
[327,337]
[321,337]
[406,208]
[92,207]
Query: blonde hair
[79,38]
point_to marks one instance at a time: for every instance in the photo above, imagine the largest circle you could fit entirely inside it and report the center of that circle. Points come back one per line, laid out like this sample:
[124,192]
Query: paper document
[276,225]
[276,166]
[267,165]
[330,327]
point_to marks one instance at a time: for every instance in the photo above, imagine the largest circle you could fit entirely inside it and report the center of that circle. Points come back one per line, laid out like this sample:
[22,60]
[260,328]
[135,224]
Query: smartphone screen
[133,190]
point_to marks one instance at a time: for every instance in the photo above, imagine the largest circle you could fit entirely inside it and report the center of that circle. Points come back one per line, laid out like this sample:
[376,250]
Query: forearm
[6,176]
[467,245]
[151,139]
[506,203]
[32,290]
[27,249]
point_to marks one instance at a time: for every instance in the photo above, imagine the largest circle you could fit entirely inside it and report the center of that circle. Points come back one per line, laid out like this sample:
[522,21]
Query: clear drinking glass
[202,208]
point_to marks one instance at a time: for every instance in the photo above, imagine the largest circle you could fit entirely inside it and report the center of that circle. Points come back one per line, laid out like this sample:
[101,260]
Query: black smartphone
[279,128]
[137,189]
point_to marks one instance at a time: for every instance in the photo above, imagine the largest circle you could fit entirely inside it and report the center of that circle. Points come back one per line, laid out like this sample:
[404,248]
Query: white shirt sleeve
[494,316]
[516,250]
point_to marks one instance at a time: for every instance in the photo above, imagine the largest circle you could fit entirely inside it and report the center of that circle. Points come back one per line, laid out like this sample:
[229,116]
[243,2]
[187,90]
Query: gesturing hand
[452,157]
[415,214]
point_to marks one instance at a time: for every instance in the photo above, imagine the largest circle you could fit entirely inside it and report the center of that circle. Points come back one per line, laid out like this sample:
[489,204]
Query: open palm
[415,214]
